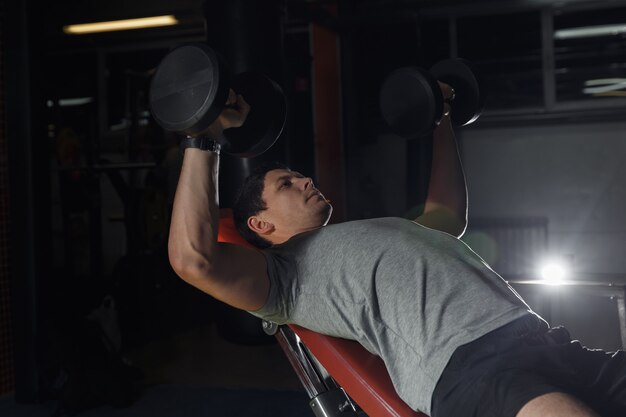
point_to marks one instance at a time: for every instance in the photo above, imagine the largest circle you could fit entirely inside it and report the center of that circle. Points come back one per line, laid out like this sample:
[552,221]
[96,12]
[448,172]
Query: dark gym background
[87,179]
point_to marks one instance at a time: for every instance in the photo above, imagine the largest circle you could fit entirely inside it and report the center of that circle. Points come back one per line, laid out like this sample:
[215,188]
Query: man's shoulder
[371,227]
[350,230]
[373,221]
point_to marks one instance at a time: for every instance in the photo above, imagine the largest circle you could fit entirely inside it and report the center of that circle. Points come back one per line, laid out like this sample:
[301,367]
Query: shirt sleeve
[275,307]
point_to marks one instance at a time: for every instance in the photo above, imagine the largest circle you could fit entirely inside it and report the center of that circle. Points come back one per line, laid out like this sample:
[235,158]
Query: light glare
[127,24]
[553,272]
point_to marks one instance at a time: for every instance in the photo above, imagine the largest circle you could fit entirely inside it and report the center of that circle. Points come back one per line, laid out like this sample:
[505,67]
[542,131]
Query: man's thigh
[556,404]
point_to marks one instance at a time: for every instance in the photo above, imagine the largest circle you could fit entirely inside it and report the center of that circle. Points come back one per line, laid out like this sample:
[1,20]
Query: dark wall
[30,224]
[7,382]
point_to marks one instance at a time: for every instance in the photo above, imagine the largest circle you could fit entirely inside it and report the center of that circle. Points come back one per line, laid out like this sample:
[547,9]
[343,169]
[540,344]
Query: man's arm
[446,203]
[230,273]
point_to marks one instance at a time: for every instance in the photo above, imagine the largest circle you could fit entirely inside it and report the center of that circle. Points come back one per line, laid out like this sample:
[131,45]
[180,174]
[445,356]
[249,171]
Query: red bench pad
[363,375]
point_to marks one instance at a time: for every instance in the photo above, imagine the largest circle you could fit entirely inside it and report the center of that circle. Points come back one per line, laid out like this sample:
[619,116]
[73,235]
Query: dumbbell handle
[470,94]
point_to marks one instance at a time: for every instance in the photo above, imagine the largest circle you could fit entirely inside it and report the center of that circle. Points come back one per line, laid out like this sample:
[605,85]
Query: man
[456,339]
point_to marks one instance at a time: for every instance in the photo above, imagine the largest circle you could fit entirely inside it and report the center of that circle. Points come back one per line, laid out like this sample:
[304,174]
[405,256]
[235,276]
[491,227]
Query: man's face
[293,203]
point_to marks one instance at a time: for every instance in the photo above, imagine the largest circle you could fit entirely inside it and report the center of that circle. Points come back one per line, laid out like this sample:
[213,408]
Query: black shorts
[495,375]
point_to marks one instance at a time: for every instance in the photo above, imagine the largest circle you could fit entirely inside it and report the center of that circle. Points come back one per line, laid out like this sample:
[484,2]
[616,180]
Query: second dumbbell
[412,104]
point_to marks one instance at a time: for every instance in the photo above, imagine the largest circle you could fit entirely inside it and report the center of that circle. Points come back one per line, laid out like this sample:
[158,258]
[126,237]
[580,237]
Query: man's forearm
[447,180]
[195,215]
[447,189]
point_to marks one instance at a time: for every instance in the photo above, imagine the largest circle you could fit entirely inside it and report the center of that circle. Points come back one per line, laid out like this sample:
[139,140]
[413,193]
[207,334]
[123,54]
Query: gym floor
[198,373]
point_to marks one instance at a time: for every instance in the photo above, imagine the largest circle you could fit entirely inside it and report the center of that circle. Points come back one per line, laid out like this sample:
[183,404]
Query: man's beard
[325,213]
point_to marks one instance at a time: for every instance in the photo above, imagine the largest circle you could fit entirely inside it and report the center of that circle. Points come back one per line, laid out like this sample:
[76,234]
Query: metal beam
[547,59]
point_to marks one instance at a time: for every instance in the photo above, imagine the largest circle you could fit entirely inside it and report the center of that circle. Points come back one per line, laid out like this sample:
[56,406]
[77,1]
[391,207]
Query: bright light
[144,22]
[605,86]
[553,272]
[590,31]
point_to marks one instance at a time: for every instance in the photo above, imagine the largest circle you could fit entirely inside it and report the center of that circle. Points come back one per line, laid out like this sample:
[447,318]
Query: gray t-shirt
[407,293]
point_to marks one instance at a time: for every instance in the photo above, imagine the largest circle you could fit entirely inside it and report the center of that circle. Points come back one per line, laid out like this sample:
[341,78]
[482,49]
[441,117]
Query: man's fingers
[244,107]
[448,95]
[446,91]
[235,115]
[232,98]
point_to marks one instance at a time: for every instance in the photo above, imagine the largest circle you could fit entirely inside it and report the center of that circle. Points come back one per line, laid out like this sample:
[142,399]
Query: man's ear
[259,226]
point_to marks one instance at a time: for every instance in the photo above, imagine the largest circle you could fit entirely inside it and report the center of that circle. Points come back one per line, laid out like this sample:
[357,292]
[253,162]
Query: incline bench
[330,367]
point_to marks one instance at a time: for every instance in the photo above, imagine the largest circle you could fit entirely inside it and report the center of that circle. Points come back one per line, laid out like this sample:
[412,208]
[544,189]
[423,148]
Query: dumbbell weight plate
[411,102]
[266,120]
[469,96]
[189,89]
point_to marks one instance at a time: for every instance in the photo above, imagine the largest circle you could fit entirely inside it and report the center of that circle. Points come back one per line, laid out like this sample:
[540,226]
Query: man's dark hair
[249,202]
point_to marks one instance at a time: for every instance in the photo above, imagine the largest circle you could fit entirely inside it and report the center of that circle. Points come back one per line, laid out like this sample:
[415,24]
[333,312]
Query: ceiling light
[68,102]
[590,31]
[605,86]
[127,24]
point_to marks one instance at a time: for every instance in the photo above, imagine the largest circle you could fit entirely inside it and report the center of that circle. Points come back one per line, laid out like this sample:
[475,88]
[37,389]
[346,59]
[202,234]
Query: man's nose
[307,183]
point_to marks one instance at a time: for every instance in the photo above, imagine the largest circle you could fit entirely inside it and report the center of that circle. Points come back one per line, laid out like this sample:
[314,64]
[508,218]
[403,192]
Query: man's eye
[285,184]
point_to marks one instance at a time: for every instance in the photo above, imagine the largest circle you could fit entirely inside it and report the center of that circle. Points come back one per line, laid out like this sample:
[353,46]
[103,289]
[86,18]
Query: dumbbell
[412,104]
[189,91]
